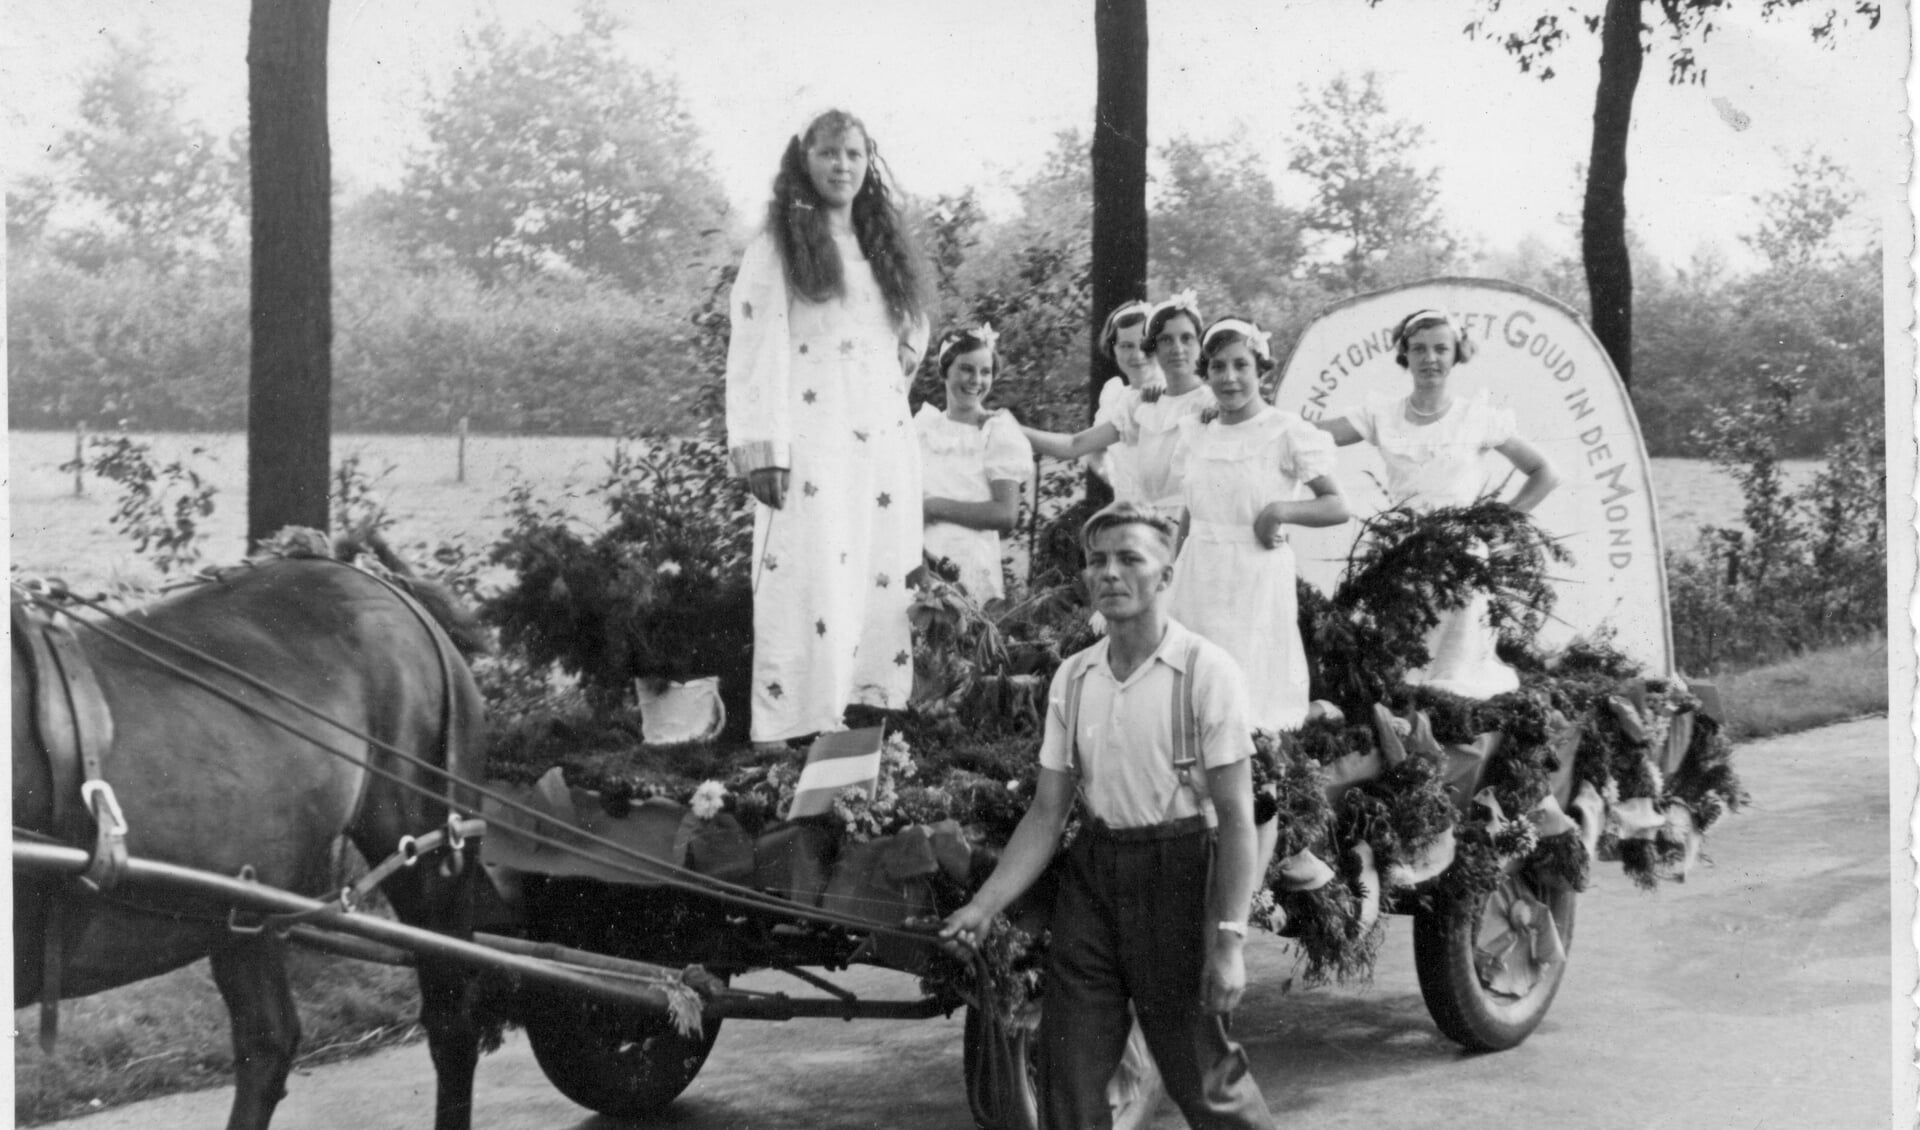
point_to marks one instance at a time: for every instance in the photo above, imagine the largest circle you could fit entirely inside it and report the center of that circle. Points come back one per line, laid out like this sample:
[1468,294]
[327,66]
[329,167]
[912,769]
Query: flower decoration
[1257,338]
[708,799]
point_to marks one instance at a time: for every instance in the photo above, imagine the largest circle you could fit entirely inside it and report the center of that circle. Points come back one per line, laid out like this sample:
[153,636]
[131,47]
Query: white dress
[1443,464]
[816,387]
[1141,467]
[960,462]
[1226,585]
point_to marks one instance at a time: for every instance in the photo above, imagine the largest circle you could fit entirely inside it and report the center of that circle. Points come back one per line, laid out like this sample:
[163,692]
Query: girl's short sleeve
[1308,452]
[1008,454]
[1121,414]
[1497,423]
[1365,418]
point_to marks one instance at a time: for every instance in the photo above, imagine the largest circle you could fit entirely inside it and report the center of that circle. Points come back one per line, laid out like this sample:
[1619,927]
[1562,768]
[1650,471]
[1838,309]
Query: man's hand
[769,486]
[969,926]
[1225,979]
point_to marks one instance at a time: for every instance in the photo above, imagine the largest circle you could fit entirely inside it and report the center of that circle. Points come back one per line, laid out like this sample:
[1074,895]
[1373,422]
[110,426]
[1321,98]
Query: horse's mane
[365,549]
[462,624]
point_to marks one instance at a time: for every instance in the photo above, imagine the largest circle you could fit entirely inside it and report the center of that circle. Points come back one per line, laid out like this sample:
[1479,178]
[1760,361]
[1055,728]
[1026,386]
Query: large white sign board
[1538,358]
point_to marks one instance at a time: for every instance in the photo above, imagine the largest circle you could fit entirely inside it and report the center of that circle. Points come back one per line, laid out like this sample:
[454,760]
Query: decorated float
[632,880]
[1482,819]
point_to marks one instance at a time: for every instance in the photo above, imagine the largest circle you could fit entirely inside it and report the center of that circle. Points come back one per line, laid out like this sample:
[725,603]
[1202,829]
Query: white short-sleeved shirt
[1436,464]
[1126,728]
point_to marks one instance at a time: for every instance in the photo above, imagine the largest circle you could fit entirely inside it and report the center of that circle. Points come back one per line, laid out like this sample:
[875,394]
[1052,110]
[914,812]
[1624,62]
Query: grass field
[56,533]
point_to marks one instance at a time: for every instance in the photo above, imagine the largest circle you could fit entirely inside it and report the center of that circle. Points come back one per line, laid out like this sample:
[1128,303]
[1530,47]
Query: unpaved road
[1755,995]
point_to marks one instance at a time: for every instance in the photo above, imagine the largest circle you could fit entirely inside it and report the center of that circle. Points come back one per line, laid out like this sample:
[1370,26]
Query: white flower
[668,568]
[1013,787]
[707,799]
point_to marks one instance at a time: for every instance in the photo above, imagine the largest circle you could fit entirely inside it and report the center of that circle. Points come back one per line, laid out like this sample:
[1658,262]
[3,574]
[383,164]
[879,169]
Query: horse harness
[75,726]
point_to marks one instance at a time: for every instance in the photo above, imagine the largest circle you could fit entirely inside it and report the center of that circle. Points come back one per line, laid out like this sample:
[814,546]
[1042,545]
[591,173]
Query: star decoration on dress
[770,562]
[900,659]
[881,580]
[809,396]
[776,690]
[820,627]
[746,310]
[860,435]
[803,347]
[846,348]
[884,500]
[807,488]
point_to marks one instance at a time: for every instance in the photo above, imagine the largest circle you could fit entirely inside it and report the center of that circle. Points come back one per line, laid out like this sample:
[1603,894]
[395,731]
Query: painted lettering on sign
[1536,358]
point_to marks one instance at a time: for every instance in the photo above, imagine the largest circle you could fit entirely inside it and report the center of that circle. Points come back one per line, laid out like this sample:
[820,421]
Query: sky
[973,94]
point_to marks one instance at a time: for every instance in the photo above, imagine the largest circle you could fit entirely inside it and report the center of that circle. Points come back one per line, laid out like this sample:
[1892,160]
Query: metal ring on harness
[408,850]
[258,921]
[456,839]
[109,861]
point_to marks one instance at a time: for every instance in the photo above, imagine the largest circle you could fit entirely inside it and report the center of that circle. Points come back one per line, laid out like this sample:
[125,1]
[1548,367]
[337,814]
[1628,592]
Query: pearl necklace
[1437,412]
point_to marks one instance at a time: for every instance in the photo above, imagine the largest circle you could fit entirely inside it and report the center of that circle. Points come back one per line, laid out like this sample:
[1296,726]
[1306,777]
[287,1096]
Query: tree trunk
[290,387]
[1603,221]
[1119,266]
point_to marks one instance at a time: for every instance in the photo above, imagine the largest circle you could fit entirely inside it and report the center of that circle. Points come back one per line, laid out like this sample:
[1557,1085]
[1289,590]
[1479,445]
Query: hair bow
[1257,338]
[1184,300]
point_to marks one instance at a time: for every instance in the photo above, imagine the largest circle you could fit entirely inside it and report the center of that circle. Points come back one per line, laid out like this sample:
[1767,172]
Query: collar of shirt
[1173,651]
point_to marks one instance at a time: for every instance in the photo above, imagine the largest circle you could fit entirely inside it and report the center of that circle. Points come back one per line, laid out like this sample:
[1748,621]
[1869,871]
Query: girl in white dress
[1139,425]
[827,324]
[972,464]
[1249,473]
[1433,443]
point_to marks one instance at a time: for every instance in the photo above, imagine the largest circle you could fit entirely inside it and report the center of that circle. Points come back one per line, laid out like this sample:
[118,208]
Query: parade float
[630,881]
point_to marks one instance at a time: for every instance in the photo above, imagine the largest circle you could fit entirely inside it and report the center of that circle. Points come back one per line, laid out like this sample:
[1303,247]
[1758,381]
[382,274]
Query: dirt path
[1755,995]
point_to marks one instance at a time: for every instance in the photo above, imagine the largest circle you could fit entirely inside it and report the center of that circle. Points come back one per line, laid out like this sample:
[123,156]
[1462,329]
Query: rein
[651,867]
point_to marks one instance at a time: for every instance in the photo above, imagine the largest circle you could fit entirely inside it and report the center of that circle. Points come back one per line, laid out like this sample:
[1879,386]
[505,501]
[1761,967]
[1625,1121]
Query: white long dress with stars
[1443,464]
[816,387]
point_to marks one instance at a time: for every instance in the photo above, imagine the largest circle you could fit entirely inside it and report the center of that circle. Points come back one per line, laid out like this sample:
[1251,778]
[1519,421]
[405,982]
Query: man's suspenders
[1185,716]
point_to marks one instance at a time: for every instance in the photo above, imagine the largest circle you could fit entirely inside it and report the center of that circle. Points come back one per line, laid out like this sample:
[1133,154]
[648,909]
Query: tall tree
[1625,38]
[555,153]
[1119,261]
[1217,225]
[146,183]
[289,429]
[1371,201]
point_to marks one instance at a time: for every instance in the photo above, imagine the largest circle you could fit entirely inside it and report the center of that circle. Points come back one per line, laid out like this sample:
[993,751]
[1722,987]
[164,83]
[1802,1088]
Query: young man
[1150,725]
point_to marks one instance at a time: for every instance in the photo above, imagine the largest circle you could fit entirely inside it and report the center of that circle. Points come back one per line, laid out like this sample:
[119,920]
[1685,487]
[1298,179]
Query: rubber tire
[1464,1008]
[1008,1096]
[610,1061]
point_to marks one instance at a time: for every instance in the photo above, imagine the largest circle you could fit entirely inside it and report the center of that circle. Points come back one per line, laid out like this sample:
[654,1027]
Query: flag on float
[849,758]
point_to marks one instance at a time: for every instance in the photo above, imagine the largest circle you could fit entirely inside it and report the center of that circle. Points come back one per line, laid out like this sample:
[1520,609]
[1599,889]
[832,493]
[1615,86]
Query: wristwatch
[1236,928]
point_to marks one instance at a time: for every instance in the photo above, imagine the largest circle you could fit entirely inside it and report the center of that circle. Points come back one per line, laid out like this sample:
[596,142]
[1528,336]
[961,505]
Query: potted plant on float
[656,605]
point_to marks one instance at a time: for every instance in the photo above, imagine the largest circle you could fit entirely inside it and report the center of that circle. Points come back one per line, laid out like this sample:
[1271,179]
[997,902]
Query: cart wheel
[611,1060]
[1490,964]
[1002,1078]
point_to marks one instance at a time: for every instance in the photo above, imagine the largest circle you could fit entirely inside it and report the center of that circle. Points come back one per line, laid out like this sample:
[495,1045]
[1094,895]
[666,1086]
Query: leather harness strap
[76,730]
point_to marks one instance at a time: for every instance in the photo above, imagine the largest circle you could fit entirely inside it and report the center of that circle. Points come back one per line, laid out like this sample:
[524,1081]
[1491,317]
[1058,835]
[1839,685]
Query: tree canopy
[555,154]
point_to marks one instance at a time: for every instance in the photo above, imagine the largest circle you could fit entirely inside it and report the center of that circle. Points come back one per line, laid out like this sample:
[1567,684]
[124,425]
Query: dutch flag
[849,758]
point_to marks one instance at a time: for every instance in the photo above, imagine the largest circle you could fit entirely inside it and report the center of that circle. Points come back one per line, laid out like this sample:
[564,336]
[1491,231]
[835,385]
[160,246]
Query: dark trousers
[1130,924]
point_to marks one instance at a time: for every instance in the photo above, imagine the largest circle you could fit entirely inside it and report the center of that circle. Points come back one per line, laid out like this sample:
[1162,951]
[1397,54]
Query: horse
[223,784]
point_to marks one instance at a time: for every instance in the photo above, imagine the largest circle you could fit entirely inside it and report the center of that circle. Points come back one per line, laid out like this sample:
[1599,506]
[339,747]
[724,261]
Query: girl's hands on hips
[1267,526]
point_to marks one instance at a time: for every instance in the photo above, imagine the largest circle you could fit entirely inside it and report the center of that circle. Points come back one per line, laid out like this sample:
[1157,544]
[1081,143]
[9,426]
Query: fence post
[460,464]
[79,459]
